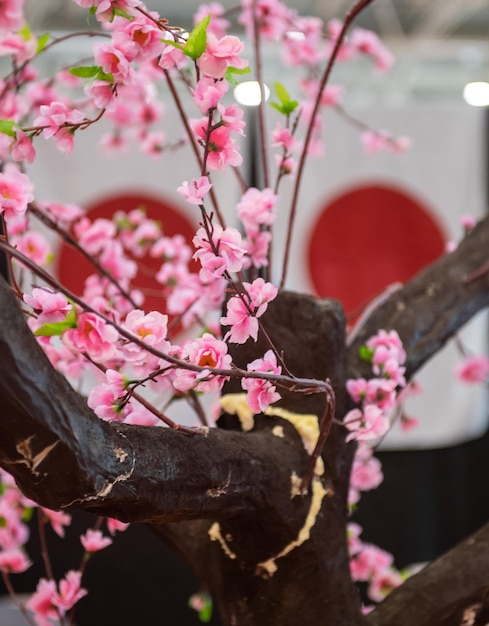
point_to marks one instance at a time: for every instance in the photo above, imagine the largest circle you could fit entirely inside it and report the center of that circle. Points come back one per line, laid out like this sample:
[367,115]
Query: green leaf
[197,40]
[42,41]
[85,71]
[175,44]
[25,32]
[58,328]
[366,354]
[203,600]
[287,105]
[27,514]
[121,13]
[231,71]
[7,128]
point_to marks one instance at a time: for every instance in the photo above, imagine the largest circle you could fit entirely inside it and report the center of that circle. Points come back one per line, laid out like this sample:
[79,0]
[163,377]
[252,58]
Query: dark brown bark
[63,456]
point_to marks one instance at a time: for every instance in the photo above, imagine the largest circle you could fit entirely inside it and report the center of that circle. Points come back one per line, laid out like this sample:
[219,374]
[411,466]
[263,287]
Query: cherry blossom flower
[207,352]
[473,369]
[115,525]
[11,15]
[371,423]
[261,393]
[220,54]
[15,192]
[195,191]
[14,561]
[22,148]
[223,252]
[257,208]
[58,520]
[51,307]
[218,24]
[208,92]
[222,149]
[54,116]
[41,603]
[94,540]
[35,246]
[92,336]
[70,592]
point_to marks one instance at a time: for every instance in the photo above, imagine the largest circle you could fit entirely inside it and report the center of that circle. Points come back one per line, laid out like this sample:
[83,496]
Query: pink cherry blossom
[56,115]
[473,369]
[207,352]
[70,591]
[208,92]
[195,190]
[366,471]
[112,61]
[11,15]
[22,148]
[15,192]
[14,561]
[220,54]
[272,16]
[92,236]
[369,562]
[115,525]
[35,246]
[94,540]
[222,252]
[138,39]
[41,603]
[367,42]
[257,208]
[261,393]
[241,320]
[92,336]
[58,520]
[104,400]
[383,583]
[51,306]
[371,423]
[257,245]
[218,24]
[222,149]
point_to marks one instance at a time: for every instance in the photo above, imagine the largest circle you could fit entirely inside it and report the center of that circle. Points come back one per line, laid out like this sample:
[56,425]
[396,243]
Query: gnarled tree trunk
[223,498]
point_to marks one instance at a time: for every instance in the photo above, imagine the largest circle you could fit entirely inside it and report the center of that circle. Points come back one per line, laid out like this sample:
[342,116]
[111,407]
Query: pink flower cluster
[377,396]
[244,309]
[15,192]
[14,532]
[221,252]
[260,392]
[372,565]
[50,603]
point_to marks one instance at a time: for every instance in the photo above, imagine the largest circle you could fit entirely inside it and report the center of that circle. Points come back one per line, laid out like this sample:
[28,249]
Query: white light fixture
[477,94]
[249,93]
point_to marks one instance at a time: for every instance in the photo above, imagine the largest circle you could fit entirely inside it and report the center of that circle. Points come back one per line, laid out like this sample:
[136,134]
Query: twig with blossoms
[292,383]
[69,239]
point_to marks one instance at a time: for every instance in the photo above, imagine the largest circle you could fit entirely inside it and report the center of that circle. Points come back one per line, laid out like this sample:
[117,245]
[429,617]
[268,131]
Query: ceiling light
[477,94]
[249,93]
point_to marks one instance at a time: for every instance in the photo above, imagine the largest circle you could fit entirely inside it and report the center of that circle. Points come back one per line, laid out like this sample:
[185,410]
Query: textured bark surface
[62,456]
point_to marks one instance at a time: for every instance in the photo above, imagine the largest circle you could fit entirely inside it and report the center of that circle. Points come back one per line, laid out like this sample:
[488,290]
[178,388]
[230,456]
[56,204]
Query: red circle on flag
[368,238]
[73,269]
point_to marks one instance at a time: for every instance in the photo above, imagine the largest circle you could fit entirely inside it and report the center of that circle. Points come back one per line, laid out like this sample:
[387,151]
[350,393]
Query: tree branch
[62,455]
[439,594]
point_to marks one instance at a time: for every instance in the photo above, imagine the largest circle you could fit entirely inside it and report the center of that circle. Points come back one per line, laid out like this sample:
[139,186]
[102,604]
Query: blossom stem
[20,605]
[302,385]
[47,221]
[193,143]
[324,430]
[350,16]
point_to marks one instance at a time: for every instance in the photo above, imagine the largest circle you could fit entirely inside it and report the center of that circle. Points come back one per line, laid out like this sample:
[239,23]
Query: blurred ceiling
[393,19]
[439,44]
